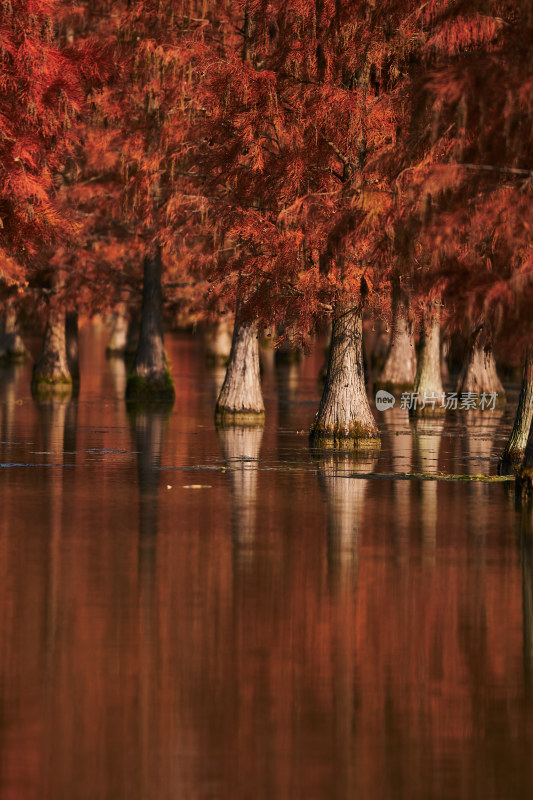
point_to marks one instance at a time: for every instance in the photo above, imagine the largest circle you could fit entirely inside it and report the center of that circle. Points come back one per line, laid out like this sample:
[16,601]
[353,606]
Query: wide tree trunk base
[226,418]
[13,350]
[240,401]
[51,375]
[118,341]
[428,380]
[60,387]
[479,372]
[399,370]
[357,437]
[510,463]
[150,390]
[218,338]
[213,360]
[515,449]
[344,420]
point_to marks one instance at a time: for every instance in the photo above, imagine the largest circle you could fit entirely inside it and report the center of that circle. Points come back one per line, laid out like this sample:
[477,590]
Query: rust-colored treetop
[463,170]
[42,93]
[294,151]
[343,140]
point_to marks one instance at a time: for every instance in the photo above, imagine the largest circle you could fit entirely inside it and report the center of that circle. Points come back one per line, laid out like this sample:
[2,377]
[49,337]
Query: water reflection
[345,502]
[427,435]
[148,427]
[10,380]
[241,447]
[525,543]
[260,638]
[396,423]
[481,457]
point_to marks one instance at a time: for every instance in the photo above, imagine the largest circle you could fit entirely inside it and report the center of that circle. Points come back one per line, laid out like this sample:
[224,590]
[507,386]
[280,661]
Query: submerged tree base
[15,356]
[357,437]
[511,462]
[214,360]
[225,418]
[60,387]
[142,391]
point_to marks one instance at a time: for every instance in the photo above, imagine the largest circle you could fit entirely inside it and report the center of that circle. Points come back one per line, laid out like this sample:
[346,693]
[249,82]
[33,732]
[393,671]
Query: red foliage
[292,150]
[343,140]
[42,93]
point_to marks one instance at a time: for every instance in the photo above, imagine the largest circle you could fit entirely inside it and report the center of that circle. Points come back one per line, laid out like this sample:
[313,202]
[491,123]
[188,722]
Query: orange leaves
[41,99]
[461,33]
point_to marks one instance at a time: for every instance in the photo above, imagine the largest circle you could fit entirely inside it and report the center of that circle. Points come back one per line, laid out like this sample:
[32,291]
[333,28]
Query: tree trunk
[444,352]
[12,348]
[428,381]
[515,448]
[132,337]
[218,339]
[344,419]
[479,370]
[118,340]
[51,374]
[399,371]
[240,401]
[72,345]
[524,478]
[150,380]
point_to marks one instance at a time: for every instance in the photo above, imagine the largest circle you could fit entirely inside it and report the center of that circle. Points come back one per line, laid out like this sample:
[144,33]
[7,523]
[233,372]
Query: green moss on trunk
[225,417]
[146,391]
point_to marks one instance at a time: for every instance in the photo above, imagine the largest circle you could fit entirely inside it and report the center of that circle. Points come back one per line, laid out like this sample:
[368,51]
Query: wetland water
[193,614]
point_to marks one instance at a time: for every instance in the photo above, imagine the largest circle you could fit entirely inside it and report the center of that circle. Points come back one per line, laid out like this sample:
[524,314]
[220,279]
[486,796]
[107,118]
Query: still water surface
[186,613]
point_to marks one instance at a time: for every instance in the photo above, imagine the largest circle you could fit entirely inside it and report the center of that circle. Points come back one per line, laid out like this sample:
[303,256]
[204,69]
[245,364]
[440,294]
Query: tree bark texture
[515,448]
[399,371]
[344,419]
[240,401]
[479,370]
[428,380]
[218,338]
[118,341]
[51,374]
[150,380]
[12,348]
[524,478]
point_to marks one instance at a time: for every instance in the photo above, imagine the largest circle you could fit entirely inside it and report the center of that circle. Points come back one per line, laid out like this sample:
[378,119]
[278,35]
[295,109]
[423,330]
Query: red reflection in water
[281,632]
